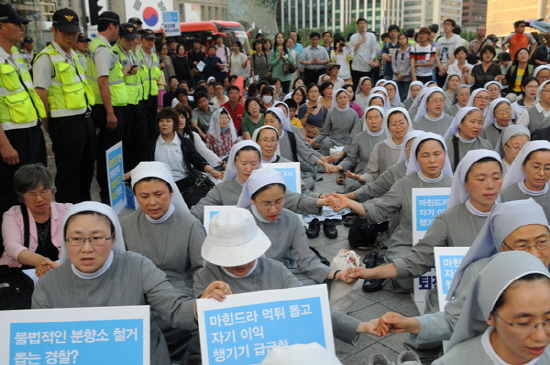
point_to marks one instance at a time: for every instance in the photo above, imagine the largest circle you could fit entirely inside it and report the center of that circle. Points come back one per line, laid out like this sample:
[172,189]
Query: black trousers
[149,108]
[105,140]
[31,147]
[312,76]
[135,137]
[74,145]
[356,76]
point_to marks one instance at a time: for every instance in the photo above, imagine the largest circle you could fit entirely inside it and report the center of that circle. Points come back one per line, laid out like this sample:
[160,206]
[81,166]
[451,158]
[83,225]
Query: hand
[216,174]
[355,176]
[331,159]
[129,70]
[314,60]
[373,64]
[401,77]
[396,323]
[217,290]
[358,273]
[343,276]
[339,202]
[332,169]
[465,69]
[111,121]
[499,77]
[9,154]
[127,175]
[362,40]
[370,327]
[45,266]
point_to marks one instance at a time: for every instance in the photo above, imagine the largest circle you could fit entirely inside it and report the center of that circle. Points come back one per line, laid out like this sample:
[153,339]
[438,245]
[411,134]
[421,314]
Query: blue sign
[170,17]
[291,174]
[245,334]
[115,172]
[449,264]
[427,208]
[79,342]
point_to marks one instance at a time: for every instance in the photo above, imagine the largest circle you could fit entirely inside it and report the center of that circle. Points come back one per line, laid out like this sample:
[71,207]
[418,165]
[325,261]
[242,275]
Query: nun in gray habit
[475,342]
[504,219]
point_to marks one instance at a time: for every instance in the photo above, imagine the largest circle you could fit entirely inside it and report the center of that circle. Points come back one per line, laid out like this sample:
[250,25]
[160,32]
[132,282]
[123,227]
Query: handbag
[288,68]
[193,194]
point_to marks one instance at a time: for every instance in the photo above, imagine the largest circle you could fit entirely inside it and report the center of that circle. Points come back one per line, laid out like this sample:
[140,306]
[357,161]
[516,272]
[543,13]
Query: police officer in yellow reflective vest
[150,71]
[135,125]
[21,138]
[60,80]
[106,76]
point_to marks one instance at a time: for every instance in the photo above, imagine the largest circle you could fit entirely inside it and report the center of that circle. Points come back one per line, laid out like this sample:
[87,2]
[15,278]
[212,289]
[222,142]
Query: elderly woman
[163,230]
[414,89]
[362,92]
[431,115]
[511,142]
[498,118]
[463,134]
[222,134]
[96,271]
[32,231]
[234,251]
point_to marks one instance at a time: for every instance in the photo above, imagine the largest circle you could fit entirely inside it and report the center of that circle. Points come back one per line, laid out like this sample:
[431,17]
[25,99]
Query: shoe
[349,219]
[330,229]
[374,285]
[370,260]
[408,358]
[379,359]
[313,229]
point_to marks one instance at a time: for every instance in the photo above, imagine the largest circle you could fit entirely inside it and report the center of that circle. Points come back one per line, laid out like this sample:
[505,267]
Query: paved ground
[368,306]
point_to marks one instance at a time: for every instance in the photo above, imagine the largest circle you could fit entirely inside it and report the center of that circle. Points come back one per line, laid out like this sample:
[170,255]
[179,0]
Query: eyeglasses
[400,124]
[482,98]
[503,113]
[278,203]
[537,168]
[437,101]
[513,148]
[34,194]
[81,241]
[541,245]
[525,327]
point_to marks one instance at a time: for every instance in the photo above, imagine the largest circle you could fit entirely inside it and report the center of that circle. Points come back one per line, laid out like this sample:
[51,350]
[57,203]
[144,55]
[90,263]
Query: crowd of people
[411,111]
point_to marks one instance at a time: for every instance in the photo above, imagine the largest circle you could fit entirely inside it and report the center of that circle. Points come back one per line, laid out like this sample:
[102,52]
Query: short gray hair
[32,176]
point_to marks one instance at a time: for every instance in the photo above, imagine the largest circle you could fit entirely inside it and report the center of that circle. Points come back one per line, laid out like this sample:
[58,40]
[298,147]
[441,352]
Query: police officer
[27,51]
[150,73]
[135,126]
[60,80]
[21,138]
[106,76]
[137,22]
[82,48]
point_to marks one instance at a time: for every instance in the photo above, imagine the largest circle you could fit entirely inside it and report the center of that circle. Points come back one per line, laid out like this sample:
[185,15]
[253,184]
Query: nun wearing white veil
[511,142]
[96,271]
[341,124]
[362,91]
[393,94]
[463,134]
[168,235]
[498,324]
[528,175]
[497,119]
[410,98]
[431,115]
[398,200]
[535,116]
[460,99]
[416,102]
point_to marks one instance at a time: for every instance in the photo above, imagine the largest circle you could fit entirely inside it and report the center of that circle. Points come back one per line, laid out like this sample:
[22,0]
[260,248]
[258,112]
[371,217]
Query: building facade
[501,15]
[420,13]
[474,14]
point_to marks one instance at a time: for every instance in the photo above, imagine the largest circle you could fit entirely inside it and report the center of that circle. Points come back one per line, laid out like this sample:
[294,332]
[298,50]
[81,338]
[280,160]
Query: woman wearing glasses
[506,317]
[38,215]
[431,115]
[529,174]
[479,98]
[498,118]
[511,141]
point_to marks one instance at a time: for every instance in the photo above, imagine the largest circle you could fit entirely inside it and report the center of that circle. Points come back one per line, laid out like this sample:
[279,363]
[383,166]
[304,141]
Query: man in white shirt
[444,53]
[366,48]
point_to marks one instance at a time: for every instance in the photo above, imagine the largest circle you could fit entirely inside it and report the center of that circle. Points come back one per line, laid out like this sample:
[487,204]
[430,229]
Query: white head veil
[286,116]
[410,135]
[503,269]
[419,83]
[446,84]
[513,130]
[366,126]
[358,88]
[416,102]
[281,116]
[383,90]
[515,174]
[161,171]
[230,169]
[389,140]
[215,130]
[459,117]
[256,133]
[473,95]
[372,96]
[413,165]
[118,243]
[504,219]
[396,98]
[257,180]
[459,194]
[490,116]
[540,68]
[422,109]
[335,103]
[380,82]
[492,82]
[541,87]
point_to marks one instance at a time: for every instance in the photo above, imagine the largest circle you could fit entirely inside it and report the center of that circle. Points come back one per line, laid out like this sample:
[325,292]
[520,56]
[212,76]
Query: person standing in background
[27,52]
[366,49]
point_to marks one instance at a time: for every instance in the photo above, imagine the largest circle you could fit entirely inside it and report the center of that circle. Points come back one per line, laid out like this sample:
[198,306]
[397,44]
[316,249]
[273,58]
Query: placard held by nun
[291,174]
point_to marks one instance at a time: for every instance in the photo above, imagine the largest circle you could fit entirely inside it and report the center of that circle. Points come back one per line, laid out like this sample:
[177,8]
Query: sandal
[340,180]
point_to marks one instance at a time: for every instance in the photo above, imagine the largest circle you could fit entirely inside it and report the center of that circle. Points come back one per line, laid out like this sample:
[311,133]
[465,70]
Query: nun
[416,102]
[535,116]
[479,98]
[449,87]
[362,92]
[511,142]
[244,158]
[505,317]
[428,167]
[393,94]
[474,191]
[341,124]
[460,99]
[96,271]
[362,146]
[513,226]
[377,100]
[431,115]
[463,134]
[234,251]
[528,175]
[498,118]
[414,89]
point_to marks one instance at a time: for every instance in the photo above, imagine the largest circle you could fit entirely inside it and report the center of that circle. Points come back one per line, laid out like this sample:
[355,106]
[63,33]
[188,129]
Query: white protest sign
[80,336]
[171,23]
[115,175]
[427,203]
[244,327]
[447,262]
[291,174]
[210,211]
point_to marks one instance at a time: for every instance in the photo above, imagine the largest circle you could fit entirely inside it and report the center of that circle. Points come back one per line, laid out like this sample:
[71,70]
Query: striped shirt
[422,55]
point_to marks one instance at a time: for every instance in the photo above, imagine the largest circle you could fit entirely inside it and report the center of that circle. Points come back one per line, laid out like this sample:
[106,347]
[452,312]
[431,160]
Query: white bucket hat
[234,239]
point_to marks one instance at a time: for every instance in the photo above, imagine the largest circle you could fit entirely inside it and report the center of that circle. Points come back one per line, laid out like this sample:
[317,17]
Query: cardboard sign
[244,327]
[427,203]
[115,174]
[291,174]
[171,23]
[210,211]
[80,336]
[447,262]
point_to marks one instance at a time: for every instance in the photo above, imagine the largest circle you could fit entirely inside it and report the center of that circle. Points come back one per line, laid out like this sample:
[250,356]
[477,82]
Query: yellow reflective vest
[133,82]
[149,74]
